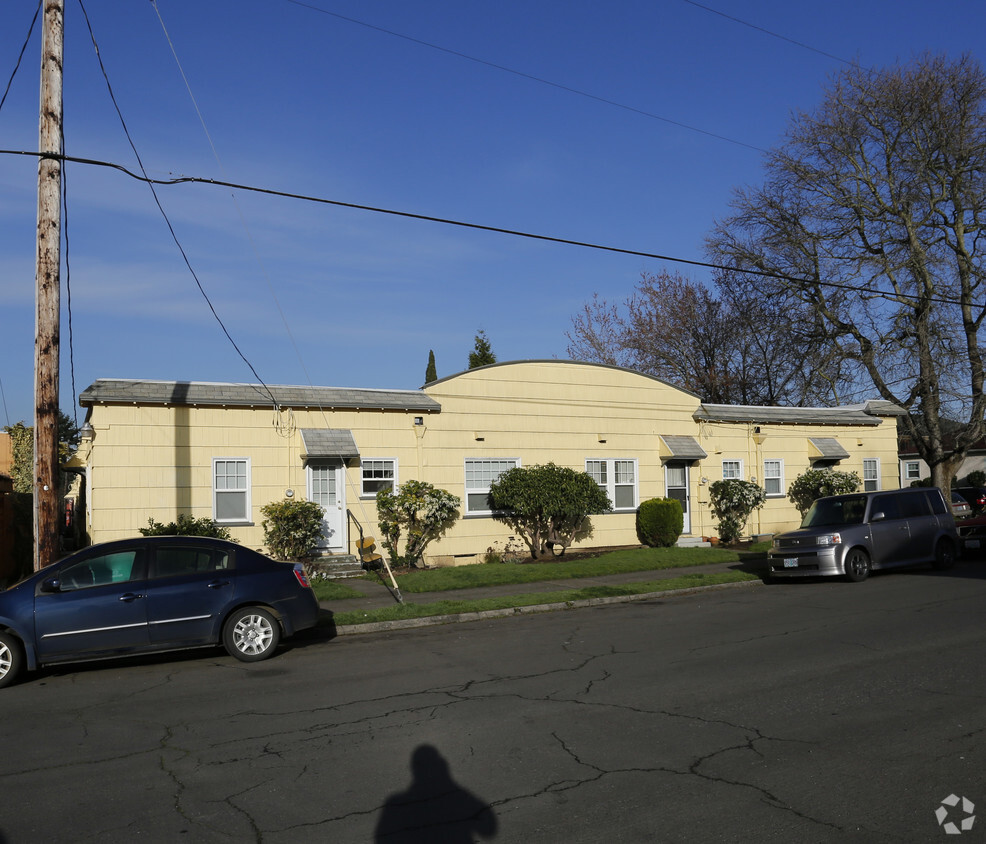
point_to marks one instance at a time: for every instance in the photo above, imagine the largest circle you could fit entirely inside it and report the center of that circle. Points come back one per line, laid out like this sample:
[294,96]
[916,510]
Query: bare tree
[871,214]
[730,346]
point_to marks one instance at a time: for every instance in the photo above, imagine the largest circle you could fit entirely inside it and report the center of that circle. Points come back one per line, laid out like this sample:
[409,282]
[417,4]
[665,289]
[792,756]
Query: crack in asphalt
[180,764]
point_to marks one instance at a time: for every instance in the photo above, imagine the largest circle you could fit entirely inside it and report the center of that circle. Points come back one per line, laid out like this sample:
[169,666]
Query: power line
[771,33]
[467,225]
[150,183]
[20,56]
[531,77]
[222,169]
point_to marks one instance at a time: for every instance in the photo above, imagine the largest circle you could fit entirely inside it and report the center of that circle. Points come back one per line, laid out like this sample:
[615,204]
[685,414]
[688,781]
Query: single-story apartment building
[157,449]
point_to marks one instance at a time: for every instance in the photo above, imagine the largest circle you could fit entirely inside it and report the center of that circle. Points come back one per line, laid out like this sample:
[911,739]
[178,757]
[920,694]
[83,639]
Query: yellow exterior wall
[789,443]
[150,461]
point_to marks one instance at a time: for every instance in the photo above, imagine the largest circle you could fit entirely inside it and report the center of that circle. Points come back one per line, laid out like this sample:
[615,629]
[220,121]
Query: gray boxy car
[853,534]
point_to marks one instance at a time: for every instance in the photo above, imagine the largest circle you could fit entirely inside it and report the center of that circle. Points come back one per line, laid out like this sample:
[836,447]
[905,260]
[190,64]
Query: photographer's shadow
[434,808]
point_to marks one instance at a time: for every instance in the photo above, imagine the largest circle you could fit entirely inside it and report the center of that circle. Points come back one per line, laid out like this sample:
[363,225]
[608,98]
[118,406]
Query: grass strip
[399,612]
[333,590]
[614,562]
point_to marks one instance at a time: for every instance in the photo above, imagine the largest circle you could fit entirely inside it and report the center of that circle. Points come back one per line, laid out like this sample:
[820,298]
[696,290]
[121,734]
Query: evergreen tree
[431,374]
[482,355]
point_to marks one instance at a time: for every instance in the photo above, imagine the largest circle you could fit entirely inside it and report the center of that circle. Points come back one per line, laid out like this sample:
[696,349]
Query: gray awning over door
[321,443]
[680,448]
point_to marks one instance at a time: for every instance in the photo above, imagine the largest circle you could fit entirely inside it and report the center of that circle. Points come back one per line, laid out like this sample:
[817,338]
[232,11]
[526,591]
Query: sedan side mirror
[878,517]
[52,584]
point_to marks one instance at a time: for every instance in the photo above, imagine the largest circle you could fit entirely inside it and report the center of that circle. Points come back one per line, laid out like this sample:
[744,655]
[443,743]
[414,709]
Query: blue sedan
[152,593]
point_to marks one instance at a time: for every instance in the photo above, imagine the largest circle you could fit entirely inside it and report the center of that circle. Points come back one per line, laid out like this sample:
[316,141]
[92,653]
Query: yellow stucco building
[159,449]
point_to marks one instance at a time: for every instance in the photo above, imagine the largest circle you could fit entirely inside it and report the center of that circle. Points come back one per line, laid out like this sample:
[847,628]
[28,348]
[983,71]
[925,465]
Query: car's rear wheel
[11,659]
[251,634]
[857,565]
[944,555]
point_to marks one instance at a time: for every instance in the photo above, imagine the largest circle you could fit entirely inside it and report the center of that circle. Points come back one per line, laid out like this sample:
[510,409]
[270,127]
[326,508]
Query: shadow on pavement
[434,808]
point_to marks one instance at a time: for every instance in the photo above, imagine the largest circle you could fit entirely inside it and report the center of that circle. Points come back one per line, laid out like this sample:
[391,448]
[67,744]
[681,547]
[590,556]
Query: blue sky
[434,108]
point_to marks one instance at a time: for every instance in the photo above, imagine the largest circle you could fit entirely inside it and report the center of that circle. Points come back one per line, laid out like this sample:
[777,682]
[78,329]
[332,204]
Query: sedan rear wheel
[251,634]
[857,565]
[11,659]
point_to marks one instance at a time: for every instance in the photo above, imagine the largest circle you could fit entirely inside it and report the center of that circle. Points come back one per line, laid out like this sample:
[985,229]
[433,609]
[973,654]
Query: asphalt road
[805,712]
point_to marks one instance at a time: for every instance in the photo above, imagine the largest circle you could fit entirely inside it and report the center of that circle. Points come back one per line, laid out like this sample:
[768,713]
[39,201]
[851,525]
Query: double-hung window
[231,489]
[773,477]
[481,472]
[871,474]
[732,470]
[617,478]
[377,473]
[912,470]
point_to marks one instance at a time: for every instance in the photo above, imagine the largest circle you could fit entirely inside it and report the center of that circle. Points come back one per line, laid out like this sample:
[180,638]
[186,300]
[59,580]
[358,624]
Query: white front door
[676,482]
[326,488]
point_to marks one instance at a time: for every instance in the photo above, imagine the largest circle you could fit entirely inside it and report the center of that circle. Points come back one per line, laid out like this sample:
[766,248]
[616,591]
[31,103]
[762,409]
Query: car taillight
[299,572]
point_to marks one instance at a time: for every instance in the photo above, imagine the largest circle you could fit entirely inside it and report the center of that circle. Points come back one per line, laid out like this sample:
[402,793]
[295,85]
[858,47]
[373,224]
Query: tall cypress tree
[431,374]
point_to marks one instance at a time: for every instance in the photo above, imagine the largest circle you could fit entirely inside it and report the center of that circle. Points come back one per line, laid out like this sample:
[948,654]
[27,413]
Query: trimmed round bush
[660,522]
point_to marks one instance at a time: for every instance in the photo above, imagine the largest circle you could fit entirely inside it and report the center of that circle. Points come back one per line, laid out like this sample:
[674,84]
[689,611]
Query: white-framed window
[773,477]
[231,489]
[732,470]
[871,474]
[912,470]
[617,478]
[377,473]
[481,472]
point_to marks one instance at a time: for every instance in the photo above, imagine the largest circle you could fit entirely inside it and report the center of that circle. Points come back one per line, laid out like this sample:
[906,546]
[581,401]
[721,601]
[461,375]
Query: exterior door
[326,488]
[676,483]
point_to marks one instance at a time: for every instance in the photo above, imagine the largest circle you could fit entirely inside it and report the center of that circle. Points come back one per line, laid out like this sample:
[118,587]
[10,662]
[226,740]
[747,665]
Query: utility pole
[47,493]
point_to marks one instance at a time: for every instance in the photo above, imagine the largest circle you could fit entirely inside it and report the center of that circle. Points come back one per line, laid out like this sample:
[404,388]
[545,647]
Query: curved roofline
[563,361]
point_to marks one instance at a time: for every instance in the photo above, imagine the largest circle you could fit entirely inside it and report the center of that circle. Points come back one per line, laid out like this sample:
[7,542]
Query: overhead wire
[529,76]
[20,56]
[174,236]
[178,180]
[239,210]
[770,32]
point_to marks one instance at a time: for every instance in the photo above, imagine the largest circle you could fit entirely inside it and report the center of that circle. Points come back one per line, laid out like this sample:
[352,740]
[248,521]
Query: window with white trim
[912,470]
[377,473]
[871,474]
[231,489]
[773,477]
[617,478]
[732,470]
[481,472]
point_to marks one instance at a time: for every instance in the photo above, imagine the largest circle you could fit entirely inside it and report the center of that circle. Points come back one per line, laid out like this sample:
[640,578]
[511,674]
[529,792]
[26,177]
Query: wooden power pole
[47,491]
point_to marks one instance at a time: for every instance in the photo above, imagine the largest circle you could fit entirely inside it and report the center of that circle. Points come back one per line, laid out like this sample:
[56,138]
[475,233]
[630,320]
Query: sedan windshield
[835,512]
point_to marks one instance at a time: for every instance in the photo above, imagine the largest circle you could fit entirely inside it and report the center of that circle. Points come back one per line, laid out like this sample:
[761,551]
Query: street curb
[507,612]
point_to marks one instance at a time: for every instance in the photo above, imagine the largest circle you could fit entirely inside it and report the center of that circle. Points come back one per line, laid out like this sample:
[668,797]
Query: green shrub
[186,526]
[416,513]
[547,506]
[660,522]
[818,483]
[975,478]
[292,528]
[732,502]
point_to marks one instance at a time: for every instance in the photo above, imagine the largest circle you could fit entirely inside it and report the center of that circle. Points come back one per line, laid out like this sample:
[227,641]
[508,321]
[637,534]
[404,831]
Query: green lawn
[494,574]
[410,610]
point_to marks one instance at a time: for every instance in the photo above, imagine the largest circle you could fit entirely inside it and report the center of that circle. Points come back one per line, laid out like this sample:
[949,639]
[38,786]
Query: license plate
[972,543]
[790,562]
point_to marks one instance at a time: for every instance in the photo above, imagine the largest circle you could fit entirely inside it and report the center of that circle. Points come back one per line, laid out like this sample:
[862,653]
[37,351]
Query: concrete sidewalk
[376,595]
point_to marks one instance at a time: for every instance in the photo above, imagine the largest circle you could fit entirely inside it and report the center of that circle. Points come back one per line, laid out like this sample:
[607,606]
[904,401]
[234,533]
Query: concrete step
[338,567]
[692,542]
